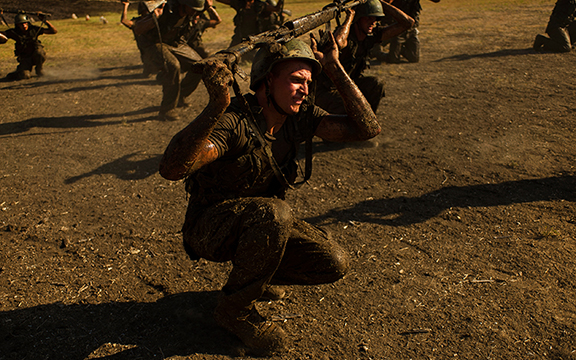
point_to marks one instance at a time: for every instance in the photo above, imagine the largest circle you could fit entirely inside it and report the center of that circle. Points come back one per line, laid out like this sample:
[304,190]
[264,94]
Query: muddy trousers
[266,246]
[330,100]
[560,40]
[178,82]
[26,63]
[407,45]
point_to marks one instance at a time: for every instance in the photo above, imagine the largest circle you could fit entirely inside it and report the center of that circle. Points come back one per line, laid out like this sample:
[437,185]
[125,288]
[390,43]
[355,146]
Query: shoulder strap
[267,150]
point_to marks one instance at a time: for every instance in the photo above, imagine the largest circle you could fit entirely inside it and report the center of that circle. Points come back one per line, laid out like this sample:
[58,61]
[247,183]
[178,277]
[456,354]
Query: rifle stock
[289,30]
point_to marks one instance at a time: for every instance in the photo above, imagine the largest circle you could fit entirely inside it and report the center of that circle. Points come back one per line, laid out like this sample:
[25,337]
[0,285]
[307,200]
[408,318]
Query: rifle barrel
[289,30]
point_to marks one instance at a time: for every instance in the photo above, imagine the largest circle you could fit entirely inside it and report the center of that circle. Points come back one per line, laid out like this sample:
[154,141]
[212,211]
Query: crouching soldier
[356,37]
[239,158]
[29,50]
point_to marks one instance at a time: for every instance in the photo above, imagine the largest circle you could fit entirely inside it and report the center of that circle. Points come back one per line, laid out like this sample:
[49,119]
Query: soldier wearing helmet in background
[239,158]
[561,29]
[29,50]
[359,33]
[169,52]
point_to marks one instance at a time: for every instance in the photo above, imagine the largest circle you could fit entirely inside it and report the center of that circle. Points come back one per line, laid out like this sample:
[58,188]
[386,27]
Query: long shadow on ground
[70,122]
[133,166]
[494,54]
[403,210]
[180,324]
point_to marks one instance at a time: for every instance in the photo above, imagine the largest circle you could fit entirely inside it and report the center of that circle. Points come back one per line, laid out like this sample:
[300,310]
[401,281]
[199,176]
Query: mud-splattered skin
[341,33]
[190,149]
[360,122]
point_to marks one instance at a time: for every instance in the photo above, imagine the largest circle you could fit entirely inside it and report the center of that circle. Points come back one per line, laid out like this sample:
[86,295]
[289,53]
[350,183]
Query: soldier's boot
[261,336]
[273,293]
[168,115]
[182,103]
[24,74]
[539,43]
[39,71]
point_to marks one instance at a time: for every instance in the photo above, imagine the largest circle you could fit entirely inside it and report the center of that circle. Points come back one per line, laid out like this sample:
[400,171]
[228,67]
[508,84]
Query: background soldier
[143,46]
[561,29]
[199,24]
[355,38]
[171,53]
[29,50]
[239,160]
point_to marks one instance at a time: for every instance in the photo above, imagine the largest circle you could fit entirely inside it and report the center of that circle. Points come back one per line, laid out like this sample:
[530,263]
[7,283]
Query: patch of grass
[547,233]
[92,42]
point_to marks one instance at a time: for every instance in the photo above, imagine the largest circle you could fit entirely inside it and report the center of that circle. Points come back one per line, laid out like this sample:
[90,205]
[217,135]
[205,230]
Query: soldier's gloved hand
[329,51]
[41,16]
[217,78]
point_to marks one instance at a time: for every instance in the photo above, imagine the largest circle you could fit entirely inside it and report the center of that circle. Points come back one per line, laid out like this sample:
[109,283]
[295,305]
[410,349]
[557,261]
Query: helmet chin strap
[271,99]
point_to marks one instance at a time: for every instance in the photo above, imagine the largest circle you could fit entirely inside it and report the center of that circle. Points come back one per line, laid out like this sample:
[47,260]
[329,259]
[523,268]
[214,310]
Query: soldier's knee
[275,210]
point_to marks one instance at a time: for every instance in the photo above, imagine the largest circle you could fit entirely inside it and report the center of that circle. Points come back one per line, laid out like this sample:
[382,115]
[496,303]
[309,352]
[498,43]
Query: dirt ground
[460,217]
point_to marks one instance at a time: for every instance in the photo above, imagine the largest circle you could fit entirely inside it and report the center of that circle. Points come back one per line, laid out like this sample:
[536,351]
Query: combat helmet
[197,5]
[369,8]
[265,59]
[21,18]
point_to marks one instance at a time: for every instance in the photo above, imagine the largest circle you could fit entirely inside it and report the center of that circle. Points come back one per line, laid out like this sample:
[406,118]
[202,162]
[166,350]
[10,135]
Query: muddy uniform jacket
[27,42]
[243,170]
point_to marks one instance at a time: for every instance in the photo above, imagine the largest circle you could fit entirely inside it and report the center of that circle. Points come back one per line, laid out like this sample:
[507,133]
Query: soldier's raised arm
[341,33]
[190,148]
[51,30]
[124,16]
[360,123]
[403,21]
[215,18]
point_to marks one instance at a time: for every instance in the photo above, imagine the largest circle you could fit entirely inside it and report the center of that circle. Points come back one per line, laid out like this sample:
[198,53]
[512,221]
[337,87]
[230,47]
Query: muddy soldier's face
[366,24]
[289,84]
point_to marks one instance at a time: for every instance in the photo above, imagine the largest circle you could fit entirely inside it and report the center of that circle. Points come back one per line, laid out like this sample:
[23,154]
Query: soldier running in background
[239,159]
[29,50]
[356,37]
[561,29]
[170,52]
[199,24]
